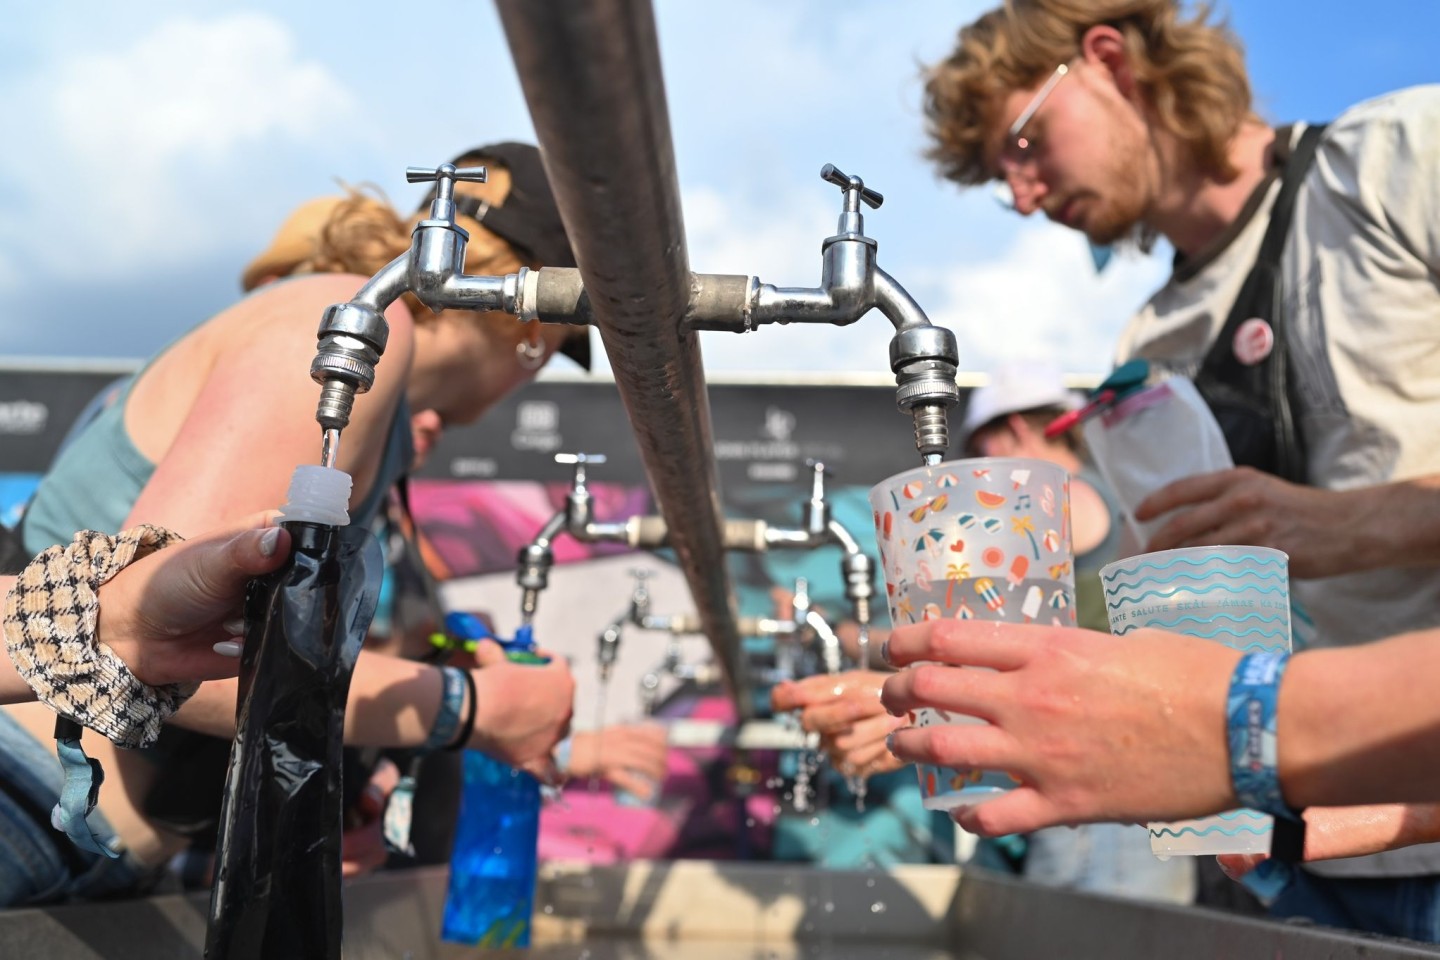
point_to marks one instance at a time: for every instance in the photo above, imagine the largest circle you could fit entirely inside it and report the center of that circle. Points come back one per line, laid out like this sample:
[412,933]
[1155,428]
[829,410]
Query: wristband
[1251,718]
[447,718]
[468,727]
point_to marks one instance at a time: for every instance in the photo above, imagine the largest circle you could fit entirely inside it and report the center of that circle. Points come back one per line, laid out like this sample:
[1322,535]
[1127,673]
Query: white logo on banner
[537,426]
[779,424]
[23,417]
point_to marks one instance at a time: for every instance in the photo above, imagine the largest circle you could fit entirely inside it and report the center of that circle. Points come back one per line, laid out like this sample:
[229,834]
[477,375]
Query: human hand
[1321,530]
[163,613]
[522,710]
[362,844]
[1334,832]
[628,756]
[1096,728]
[846,711]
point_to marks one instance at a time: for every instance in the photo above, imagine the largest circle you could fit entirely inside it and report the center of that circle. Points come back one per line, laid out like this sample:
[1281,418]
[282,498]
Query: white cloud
[1040,298]
[134,149]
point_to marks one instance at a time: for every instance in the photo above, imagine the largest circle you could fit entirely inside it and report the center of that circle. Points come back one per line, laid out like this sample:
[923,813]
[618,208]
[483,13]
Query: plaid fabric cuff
[50,621]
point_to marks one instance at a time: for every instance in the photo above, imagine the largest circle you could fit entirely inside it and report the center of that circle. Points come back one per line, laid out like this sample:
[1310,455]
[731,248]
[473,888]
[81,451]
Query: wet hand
[846,711]
[628,756]
[1095,727]
[164,614]
[1319,529]
[522,711]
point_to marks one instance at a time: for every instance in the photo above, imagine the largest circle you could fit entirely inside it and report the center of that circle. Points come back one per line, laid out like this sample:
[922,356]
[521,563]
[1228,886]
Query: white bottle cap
[318,495]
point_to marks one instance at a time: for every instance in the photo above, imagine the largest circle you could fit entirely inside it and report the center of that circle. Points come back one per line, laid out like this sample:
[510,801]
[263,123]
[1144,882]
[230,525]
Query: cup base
[972,797]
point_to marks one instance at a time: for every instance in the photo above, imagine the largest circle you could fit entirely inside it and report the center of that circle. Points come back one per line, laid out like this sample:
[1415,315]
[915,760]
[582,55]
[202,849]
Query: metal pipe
[590,71]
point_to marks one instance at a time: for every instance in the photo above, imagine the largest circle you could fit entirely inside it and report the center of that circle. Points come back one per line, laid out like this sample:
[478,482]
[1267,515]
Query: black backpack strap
[1267,387]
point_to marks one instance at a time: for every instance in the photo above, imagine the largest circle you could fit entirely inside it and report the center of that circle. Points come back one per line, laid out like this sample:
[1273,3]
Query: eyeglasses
[1018,153]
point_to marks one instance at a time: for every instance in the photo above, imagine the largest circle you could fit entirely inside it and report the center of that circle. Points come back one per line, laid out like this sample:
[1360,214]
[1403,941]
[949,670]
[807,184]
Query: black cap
[528,220]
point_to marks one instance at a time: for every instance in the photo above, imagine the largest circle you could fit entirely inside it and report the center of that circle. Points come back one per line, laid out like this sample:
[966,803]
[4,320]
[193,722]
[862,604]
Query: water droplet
[749,821]
[870,882]
[877,907]
[814,821]
[829,906]
[549,909]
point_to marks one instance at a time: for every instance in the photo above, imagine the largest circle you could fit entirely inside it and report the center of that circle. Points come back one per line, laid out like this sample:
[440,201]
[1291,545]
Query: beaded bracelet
[1251,719]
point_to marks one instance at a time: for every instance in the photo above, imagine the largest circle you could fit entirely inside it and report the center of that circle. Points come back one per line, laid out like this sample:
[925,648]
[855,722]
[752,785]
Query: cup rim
[966,463]
[1156,555]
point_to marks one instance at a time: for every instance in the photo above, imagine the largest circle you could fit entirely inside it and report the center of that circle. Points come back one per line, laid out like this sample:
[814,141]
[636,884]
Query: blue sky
[153,147]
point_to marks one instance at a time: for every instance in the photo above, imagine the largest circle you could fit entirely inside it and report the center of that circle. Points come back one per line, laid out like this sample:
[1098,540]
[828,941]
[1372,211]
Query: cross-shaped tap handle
[446,171]
[854,187]
[579,458]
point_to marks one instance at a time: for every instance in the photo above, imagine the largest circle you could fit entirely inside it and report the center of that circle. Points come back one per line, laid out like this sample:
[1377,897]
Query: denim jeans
[38,864]
[1392,906]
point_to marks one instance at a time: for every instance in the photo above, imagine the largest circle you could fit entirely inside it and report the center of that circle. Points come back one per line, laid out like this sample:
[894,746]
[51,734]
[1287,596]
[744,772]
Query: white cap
[1015,388]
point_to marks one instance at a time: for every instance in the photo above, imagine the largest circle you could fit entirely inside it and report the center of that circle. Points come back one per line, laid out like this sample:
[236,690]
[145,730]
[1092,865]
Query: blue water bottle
[492,865]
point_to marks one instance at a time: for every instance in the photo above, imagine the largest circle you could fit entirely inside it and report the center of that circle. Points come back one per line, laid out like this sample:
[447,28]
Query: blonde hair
[1191,72]
[363,232]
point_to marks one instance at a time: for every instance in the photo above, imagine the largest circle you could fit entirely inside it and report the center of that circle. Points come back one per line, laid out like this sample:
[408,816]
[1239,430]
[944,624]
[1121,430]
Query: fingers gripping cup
[985,539]
[1239,596]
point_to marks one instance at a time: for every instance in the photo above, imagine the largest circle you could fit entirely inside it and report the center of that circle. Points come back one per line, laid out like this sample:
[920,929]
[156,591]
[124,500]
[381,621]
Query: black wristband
[468,726]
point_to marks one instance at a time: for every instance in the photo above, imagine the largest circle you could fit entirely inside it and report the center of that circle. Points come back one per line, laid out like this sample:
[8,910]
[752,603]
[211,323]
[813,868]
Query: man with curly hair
[1305,303]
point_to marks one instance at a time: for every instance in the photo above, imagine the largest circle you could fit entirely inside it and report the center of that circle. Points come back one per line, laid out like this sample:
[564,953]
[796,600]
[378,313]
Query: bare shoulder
[283,317]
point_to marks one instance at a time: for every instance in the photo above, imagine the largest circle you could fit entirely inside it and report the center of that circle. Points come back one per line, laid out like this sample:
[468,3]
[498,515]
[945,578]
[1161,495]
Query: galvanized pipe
[590,71]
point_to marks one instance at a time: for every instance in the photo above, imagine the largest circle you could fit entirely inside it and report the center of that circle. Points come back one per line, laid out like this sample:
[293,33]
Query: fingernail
[269,540]
[229,648]
[890,741]
[885,650]
[235,627]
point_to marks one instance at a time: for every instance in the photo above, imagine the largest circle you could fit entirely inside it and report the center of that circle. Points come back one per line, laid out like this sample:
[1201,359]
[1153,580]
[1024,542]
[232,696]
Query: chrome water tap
[352,335]
[923,357]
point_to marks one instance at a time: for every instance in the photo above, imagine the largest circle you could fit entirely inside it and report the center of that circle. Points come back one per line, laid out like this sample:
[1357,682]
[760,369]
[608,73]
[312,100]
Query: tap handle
[854,187]
[446,171]
[580,462]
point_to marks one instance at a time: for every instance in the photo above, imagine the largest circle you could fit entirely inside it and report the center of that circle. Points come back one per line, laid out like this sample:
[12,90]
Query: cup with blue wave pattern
[1238,596]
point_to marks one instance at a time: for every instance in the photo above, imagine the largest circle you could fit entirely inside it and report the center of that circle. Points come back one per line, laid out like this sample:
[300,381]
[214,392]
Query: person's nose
[1027,190]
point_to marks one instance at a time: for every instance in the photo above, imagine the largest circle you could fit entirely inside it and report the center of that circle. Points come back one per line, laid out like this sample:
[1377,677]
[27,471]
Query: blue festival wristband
[447,718]
[1251,717]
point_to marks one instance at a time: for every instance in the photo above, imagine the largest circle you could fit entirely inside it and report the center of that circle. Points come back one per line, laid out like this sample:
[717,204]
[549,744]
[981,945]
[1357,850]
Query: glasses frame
[1015,155]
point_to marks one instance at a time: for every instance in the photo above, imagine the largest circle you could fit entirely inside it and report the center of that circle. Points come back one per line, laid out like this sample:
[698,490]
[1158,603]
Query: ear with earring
[530,352]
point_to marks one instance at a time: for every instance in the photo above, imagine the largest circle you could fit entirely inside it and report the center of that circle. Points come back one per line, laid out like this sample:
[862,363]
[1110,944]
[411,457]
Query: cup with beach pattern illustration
[1238,596]
[983,539]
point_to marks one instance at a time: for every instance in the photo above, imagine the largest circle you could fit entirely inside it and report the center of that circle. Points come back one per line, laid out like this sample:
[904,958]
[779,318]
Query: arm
[521,713]
[1325,532]
[13,689]
[1132,728]
[163,613]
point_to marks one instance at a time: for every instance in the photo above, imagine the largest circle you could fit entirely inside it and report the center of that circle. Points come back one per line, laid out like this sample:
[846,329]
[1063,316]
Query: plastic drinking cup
[1239,596]
[984,539]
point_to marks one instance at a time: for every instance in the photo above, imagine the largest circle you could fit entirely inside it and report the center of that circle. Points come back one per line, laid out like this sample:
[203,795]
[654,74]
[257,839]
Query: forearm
[13,689]
[1360,724]
[392,703]
[1396,524]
